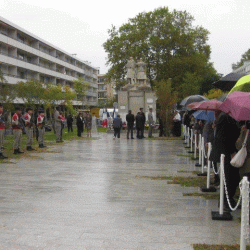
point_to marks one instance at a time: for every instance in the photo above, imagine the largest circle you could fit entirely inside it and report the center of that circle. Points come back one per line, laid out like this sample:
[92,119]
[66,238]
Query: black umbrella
[227,82]
[193,98]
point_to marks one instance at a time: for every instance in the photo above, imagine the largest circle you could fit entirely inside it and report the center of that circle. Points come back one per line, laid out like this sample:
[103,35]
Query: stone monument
[137,93]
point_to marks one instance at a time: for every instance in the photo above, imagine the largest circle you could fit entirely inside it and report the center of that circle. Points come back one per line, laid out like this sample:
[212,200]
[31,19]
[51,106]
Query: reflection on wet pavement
[92,195]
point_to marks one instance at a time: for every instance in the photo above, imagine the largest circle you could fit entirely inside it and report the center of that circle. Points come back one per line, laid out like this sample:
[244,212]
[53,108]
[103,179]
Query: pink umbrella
[237,105]
[209,105]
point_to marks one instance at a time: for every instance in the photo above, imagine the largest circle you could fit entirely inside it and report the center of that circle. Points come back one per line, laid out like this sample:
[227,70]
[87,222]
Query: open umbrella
[192,98]
[204,115]
[227,82]
[243,84]
[237,105]
[193,105]
[208,105]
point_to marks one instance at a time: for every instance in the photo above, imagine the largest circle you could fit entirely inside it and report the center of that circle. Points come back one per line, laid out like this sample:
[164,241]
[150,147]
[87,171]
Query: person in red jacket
[2,131]
[41,128]
[29,128]
[17,130]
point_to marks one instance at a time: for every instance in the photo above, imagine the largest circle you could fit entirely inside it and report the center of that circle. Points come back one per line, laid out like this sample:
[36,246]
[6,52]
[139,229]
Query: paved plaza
[93,194]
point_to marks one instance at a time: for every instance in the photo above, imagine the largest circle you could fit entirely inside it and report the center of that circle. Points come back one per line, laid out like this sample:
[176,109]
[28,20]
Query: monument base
[225,216]
[208,190]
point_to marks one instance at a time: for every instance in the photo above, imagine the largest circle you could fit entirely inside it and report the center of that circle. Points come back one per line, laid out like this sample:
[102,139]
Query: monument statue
[136,76]
[131,74]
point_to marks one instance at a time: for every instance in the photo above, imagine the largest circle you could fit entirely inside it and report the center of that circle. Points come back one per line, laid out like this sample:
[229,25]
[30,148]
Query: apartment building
[106,89]
[24,56]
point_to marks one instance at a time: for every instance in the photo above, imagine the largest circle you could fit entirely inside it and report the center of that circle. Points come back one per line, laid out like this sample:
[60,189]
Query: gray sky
[80,27]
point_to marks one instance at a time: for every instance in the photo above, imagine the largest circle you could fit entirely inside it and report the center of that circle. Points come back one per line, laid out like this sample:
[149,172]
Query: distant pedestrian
[17,130]
[58,125]
[139,121]
[150,122]
[143,120]
[130,118]
[88,124]
[41,128]
[2,131]
[70,123]
[79,124]
[29,123]
[117,125]
[176,131]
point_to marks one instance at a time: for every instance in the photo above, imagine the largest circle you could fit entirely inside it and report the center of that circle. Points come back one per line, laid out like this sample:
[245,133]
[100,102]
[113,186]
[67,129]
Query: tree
[167,41]
[166,100]
[7,94]
[80,86]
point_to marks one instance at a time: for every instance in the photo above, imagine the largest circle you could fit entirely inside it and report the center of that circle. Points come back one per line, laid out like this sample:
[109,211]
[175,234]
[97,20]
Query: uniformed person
[17,130]
[58,125]
[41,128]
[29,123]
[2,131]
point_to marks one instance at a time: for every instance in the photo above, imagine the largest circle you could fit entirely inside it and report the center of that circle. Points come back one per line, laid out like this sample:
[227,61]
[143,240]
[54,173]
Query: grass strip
[217,247]
[206,196]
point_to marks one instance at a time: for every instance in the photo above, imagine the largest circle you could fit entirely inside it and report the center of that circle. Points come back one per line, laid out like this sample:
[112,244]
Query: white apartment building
[244,69]
[24,56]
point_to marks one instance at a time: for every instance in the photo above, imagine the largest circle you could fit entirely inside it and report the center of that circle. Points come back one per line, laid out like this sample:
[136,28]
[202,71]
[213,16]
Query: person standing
[130,118]
[117,125]
[177,124]
[70,123]
[58,125]
[150,122]
[29,122]
[41,128]
[139,124]
[79,124]
[88,124]
[2,131]
[143,120]
[17,130]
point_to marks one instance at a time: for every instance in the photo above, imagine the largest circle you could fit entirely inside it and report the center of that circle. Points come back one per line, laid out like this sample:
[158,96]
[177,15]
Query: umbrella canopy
[204,115]
[192,98]
[208,105]
[243,84]
[227,82]
[237,105]
[193,105]
[222,97]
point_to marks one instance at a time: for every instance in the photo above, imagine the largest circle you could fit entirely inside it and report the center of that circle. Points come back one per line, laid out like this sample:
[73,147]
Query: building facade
[244,69]
[106,90]
[24,56]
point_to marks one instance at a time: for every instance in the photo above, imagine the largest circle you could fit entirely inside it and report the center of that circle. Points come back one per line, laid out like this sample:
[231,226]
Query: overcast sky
[81,27]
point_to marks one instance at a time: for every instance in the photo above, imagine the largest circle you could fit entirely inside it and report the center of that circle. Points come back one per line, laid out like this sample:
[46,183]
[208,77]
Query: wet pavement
[93,194]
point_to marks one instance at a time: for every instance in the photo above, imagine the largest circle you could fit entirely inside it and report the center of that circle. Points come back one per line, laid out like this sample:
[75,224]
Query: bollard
[221,215]
[244,231]
[202,158]
[199,163]
[195,147]
[184,131]
[191,142]
[208,188]
[185,134]
[188,138]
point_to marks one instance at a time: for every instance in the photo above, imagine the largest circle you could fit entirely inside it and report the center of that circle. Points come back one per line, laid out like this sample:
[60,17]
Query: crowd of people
[226,136]
[33,123]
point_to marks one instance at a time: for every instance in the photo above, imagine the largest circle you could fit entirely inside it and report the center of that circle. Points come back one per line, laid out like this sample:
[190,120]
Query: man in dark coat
[139,125]
[130,118]
[226,134]
[79,124]
[143,120]
[117,125]
[70,123]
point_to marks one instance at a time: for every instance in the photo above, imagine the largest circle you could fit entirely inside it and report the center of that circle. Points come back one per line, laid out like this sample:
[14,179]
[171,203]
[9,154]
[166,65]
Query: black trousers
[70,127]
[117,132]
[130,131]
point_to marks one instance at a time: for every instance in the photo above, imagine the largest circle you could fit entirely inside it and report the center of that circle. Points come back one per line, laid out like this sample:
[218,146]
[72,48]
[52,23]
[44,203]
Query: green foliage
[214,93]
[166,41]
[166,100]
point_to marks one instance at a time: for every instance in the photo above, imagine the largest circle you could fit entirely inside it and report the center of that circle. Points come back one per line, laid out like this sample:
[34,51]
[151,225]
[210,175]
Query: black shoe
[132,138]
[19,152]
[29,148]
[15,151]
[3,156]
[41,146]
